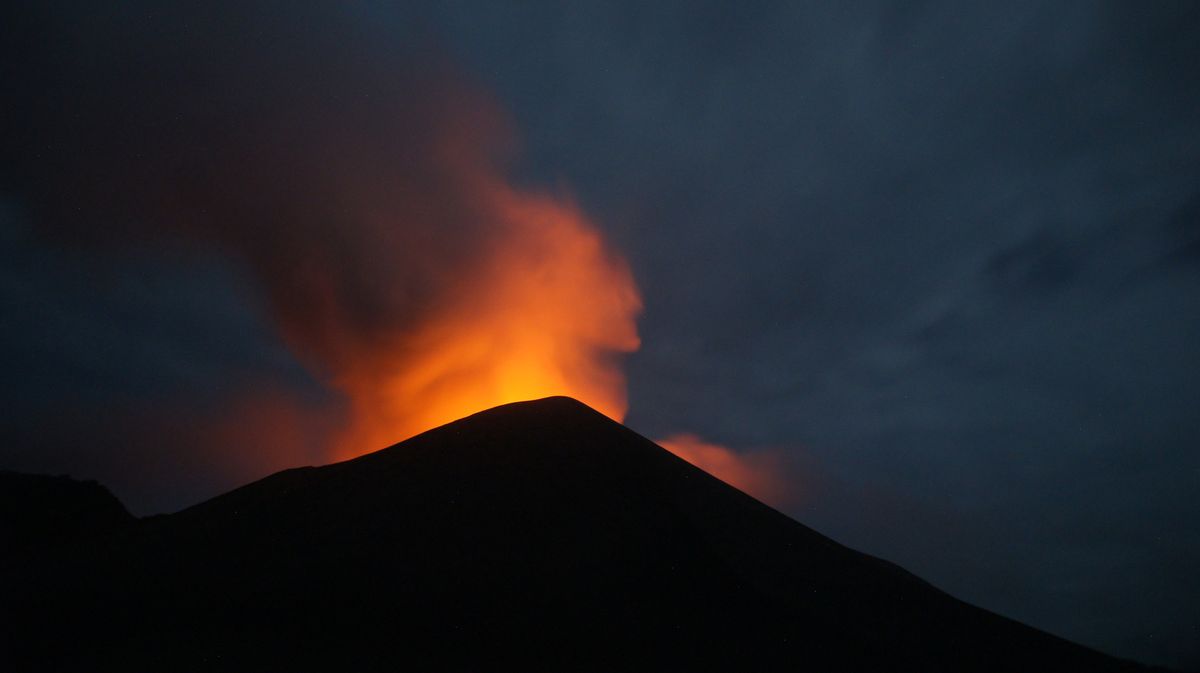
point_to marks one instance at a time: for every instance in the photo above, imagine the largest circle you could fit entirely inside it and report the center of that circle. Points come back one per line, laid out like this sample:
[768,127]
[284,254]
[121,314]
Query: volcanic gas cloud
[365,192]
[544,312]
[425,286]
[438,288]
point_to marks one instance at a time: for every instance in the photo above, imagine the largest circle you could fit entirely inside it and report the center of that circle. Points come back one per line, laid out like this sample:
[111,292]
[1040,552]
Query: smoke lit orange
[759,474]
[546,312]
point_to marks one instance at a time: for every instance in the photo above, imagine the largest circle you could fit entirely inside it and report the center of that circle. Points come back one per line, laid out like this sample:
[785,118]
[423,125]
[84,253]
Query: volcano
[539,535]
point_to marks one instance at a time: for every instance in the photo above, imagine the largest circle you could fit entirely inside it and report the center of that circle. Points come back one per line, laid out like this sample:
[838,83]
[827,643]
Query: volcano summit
[538,534]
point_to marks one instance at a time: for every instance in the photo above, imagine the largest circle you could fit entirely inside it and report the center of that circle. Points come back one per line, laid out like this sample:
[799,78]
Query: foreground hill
[38,510]
[539,534]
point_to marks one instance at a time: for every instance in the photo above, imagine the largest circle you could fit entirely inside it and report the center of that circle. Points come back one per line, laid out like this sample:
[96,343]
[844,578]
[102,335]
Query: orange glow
[757,473]
[547,311]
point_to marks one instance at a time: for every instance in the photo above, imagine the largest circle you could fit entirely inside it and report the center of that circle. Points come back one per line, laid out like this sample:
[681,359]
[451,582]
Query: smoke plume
[362,186]
[760,473]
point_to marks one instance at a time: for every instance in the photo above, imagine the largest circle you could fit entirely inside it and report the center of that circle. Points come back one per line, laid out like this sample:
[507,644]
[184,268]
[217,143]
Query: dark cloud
[144,371]
[289,139]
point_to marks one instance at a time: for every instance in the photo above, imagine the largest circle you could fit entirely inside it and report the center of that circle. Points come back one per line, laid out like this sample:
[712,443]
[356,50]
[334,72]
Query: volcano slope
[538,534]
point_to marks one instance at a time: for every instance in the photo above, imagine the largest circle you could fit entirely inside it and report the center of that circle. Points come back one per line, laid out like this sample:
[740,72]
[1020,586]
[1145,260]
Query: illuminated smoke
[543,313]
[364,189]
[361,185]
[758,473]
[405,269]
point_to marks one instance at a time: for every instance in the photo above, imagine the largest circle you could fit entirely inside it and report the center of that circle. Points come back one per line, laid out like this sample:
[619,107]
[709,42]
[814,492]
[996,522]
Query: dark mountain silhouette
[538,535]
[38,510]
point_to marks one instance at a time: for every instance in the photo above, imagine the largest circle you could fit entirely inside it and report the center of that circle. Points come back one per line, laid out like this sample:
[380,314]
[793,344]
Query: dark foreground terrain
[538,535]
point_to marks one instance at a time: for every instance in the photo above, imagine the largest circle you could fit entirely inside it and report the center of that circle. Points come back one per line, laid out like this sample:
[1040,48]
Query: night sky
[940,265]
